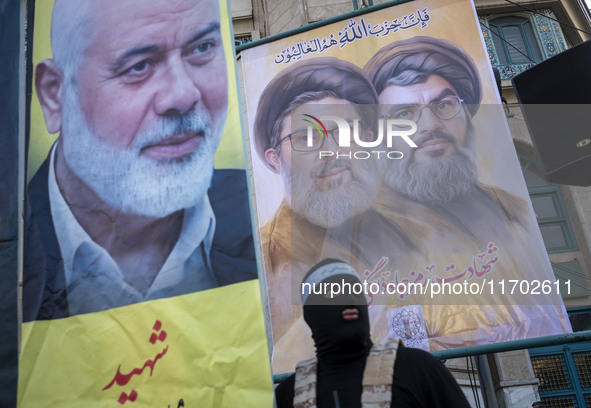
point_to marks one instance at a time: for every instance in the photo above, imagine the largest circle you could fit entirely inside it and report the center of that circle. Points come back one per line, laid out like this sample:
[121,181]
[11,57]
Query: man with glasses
[326,198]
[435,84]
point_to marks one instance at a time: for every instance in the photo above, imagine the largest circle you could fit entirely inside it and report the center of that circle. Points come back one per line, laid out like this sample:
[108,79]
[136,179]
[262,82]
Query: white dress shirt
[94,281]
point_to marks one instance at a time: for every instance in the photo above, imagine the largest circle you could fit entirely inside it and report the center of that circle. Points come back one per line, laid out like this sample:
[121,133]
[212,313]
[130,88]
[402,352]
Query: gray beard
[329,209]
[436,182]
[133,184]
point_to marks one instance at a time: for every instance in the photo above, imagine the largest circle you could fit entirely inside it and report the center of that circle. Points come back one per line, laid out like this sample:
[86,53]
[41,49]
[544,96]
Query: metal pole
[487,387]
[555,340]
[514,345]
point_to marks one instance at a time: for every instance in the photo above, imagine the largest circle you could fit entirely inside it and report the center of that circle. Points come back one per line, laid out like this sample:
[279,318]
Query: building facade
[517,35]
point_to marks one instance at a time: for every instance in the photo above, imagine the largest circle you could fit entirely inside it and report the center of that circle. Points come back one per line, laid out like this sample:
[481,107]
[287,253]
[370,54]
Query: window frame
[562,219]
[499,28]
[566,351]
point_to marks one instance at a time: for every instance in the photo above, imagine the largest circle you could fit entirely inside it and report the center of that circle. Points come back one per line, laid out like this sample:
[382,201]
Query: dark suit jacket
[44,293]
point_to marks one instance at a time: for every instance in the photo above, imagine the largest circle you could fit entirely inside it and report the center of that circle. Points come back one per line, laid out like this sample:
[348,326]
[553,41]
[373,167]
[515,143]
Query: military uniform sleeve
[421,380]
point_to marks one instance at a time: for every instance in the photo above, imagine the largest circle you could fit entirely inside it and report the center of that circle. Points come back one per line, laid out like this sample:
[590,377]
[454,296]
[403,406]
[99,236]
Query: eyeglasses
[446,108]
[300,143]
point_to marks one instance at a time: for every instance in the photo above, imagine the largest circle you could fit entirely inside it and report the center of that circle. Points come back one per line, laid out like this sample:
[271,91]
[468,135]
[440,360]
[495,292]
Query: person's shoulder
[223,176]
[501,193]
[419,364]
[279,225]
[420,379]
[232,251]
[37,190]
[284,392]
[228,195]
[514,206]
[409,357]
[44,295]
[38,219]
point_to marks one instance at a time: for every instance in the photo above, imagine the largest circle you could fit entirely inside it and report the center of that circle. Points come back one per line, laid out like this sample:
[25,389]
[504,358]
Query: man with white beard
[120,211]
[326,211]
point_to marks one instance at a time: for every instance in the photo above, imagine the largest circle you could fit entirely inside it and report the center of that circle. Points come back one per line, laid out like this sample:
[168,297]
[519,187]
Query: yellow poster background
[230,153]
[215,354]
[210,347]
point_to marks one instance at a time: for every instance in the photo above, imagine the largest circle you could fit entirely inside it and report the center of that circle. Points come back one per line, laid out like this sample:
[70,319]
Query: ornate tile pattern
[549,34]
[490,47]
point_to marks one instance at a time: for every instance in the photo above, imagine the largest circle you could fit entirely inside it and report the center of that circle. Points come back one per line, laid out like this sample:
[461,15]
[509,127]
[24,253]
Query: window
[514,40]
[242,39]
[564,374]
[565,371]
[549,208]
[556,229]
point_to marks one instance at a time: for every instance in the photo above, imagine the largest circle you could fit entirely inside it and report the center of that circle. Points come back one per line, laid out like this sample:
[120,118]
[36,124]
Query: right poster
[380,141]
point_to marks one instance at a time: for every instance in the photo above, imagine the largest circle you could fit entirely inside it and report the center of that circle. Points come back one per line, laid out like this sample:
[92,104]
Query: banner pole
[555,340]
[545,341]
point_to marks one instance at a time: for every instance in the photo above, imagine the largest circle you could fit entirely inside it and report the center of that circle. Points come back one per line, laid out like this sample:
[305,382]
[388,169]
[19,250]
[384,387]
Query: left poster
[138,243]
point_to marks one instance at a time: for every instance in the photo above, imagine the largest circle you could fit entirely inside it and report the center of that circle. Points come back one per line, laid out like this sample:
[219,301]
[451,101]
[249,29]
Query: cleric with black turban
[430,56]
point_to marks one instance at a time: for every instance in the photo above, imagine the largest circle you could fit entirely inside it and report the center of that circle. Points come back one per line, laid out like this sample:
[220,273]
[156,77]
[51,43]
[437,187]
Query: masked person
[349,370]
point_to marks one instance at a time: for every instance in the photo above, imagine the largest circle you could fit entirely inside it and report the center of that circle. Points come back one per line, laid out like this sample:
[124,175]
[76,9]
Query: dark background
[10,28]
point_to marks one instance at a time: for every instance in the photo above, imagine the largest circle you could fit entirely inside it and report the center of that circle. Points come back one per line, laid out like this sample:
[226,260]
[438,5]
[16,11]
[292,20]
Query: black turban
[342,78]
[432,56]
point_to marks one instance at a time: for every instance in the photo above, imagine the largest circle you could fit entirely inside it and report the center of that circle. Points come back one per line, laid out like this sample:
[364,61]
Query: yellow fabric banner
[191,348]
[140,280]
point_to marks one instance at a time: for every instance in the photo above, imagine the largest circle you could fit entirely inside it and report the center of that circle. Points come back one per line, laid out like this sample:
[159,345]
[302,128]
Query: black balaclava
[342,345]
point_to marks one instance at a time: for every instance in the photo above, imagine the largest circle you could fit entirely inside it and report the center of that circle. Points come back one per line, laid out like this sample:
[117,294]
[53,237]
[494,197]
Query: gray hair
[408,77]
[411,77]
[299,100]
[70,36]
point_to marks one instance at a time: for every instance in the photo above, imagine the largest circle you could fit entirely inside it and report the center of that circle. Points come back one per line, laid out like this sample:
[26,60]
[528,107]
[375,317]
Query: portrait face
[149,60]
[442,168]
[147,114]
[435,137]
[329,190]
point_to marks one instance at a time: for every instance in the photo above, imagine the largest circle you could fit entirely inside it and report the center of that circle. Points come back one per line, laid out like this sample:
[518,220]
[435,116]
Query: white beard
[436,182]
[130,182]
[331,208]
